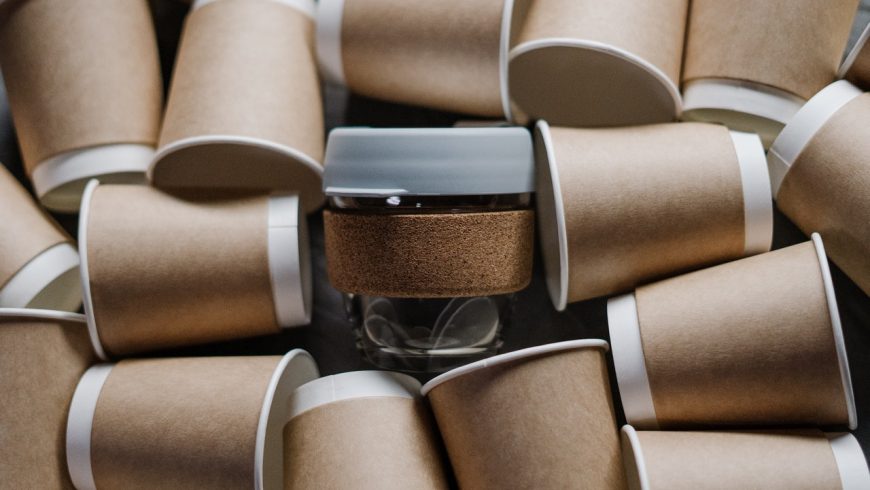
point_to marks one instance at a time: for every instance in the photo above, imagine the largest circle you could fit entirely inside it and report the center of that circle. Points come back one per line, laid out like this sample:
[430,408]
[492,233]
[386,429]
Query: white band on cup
[757,201]
[87,300]
[304,6]
[741,96]
[635,465]
[80,423]
[629,362]
[329,17]
[803,126]
[41,273]
[289,267]
[851,464]
[853,55]
[347,386]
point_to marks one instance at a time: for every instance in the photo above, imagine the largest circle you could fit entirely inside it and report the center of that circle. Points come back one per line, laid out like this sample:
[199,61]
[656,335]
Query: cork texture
[859,72]
[745,343]
[45,48]
[770,460]
[198,270]
[365,443]
[443,55]
[827,189]
[540,422]
[429,255]
[179,423]
[25,229]
[642,203]
[41,361]
[803,42]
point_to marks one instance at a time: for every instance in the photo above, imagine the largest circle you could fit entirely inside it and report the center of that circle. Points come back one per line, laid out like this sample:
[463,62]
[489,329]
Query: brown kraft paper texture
[541,422]
[365,443]
[745,343]
[827,189]
[80,74]
[803,42]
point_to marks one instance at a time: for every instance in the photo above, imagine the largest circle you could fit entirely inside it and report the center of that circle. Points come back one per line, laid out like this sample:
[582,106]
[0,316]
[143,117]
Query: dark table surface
[329,338]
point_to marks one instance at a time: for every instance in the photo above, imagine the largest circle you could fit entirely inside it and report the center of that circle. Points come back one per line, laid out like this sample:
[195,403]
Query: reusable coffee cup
[204,422]
[589,63]
[619,207]
[364,429]
[190,271]
[244,108]
[40,265]
[42,355]
[728,78]
[86,98]
[776,460]
[820,175]
[449,55]
[535,418]
[753,342]
[856,66]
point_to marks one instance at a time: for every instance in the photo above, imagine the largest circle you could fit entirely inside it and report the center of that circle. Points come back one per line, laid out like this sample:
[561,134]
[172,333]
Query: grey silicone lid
[374,162]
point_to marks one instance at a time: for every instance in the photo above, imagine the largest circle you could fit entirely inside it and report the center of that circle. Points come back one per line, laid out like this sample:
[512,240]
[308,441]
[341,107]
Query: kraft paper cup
[856,66]
[752,342]
[86,99]
[449,55]
[536,418]
[190,271]
[244,108]
[619,207]
[207,422]
[39,266]
[42,355]
[751,64]
[364,429]
[806,459]
[820,173]
[590,63]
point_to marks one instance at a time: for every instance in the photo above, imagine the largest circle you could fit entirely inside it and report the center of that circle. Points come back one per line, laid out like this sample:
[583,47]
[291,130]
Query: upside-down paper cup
[619,207]
[541,417]
[820,175]
[751,64]
[190,271]
[40,265]
[856,66]
[86,98]
[207,422]
[753,342]
[364,429]
[776,460]
[42,355]
[244,108]
[592,63]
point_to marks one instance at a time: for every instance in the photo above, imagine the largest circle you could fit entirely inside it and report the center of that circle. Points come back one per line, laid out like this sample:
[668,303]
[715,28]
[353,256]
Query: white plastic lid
[428,161]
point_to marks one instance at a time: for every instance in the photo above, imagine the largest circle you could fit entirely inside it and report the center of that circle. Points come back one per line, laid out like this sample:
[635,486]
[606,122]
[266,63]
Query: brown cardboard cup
[776,460]
[753,342]
[364,429]
[40,265]
[541,417]
[42,355]
[820,173]
[244,108]
[190,271]
[590,63]
[856,66]
[207,422]
[619,207]
[86,99]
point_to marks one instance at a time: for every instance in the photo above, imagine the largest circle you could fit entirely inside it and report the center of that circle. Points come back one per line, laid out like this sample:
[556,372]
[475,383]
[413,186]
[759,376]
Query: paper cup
[40,265]
[729,79]
[386,434]
[620,207]
[186,272]
[752,342]
[86,99]
[207,422]
[820,172]
[856,66]
[535,418]
[244,108]
[589,63]
[449,55]
[806,459]
[42,355]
